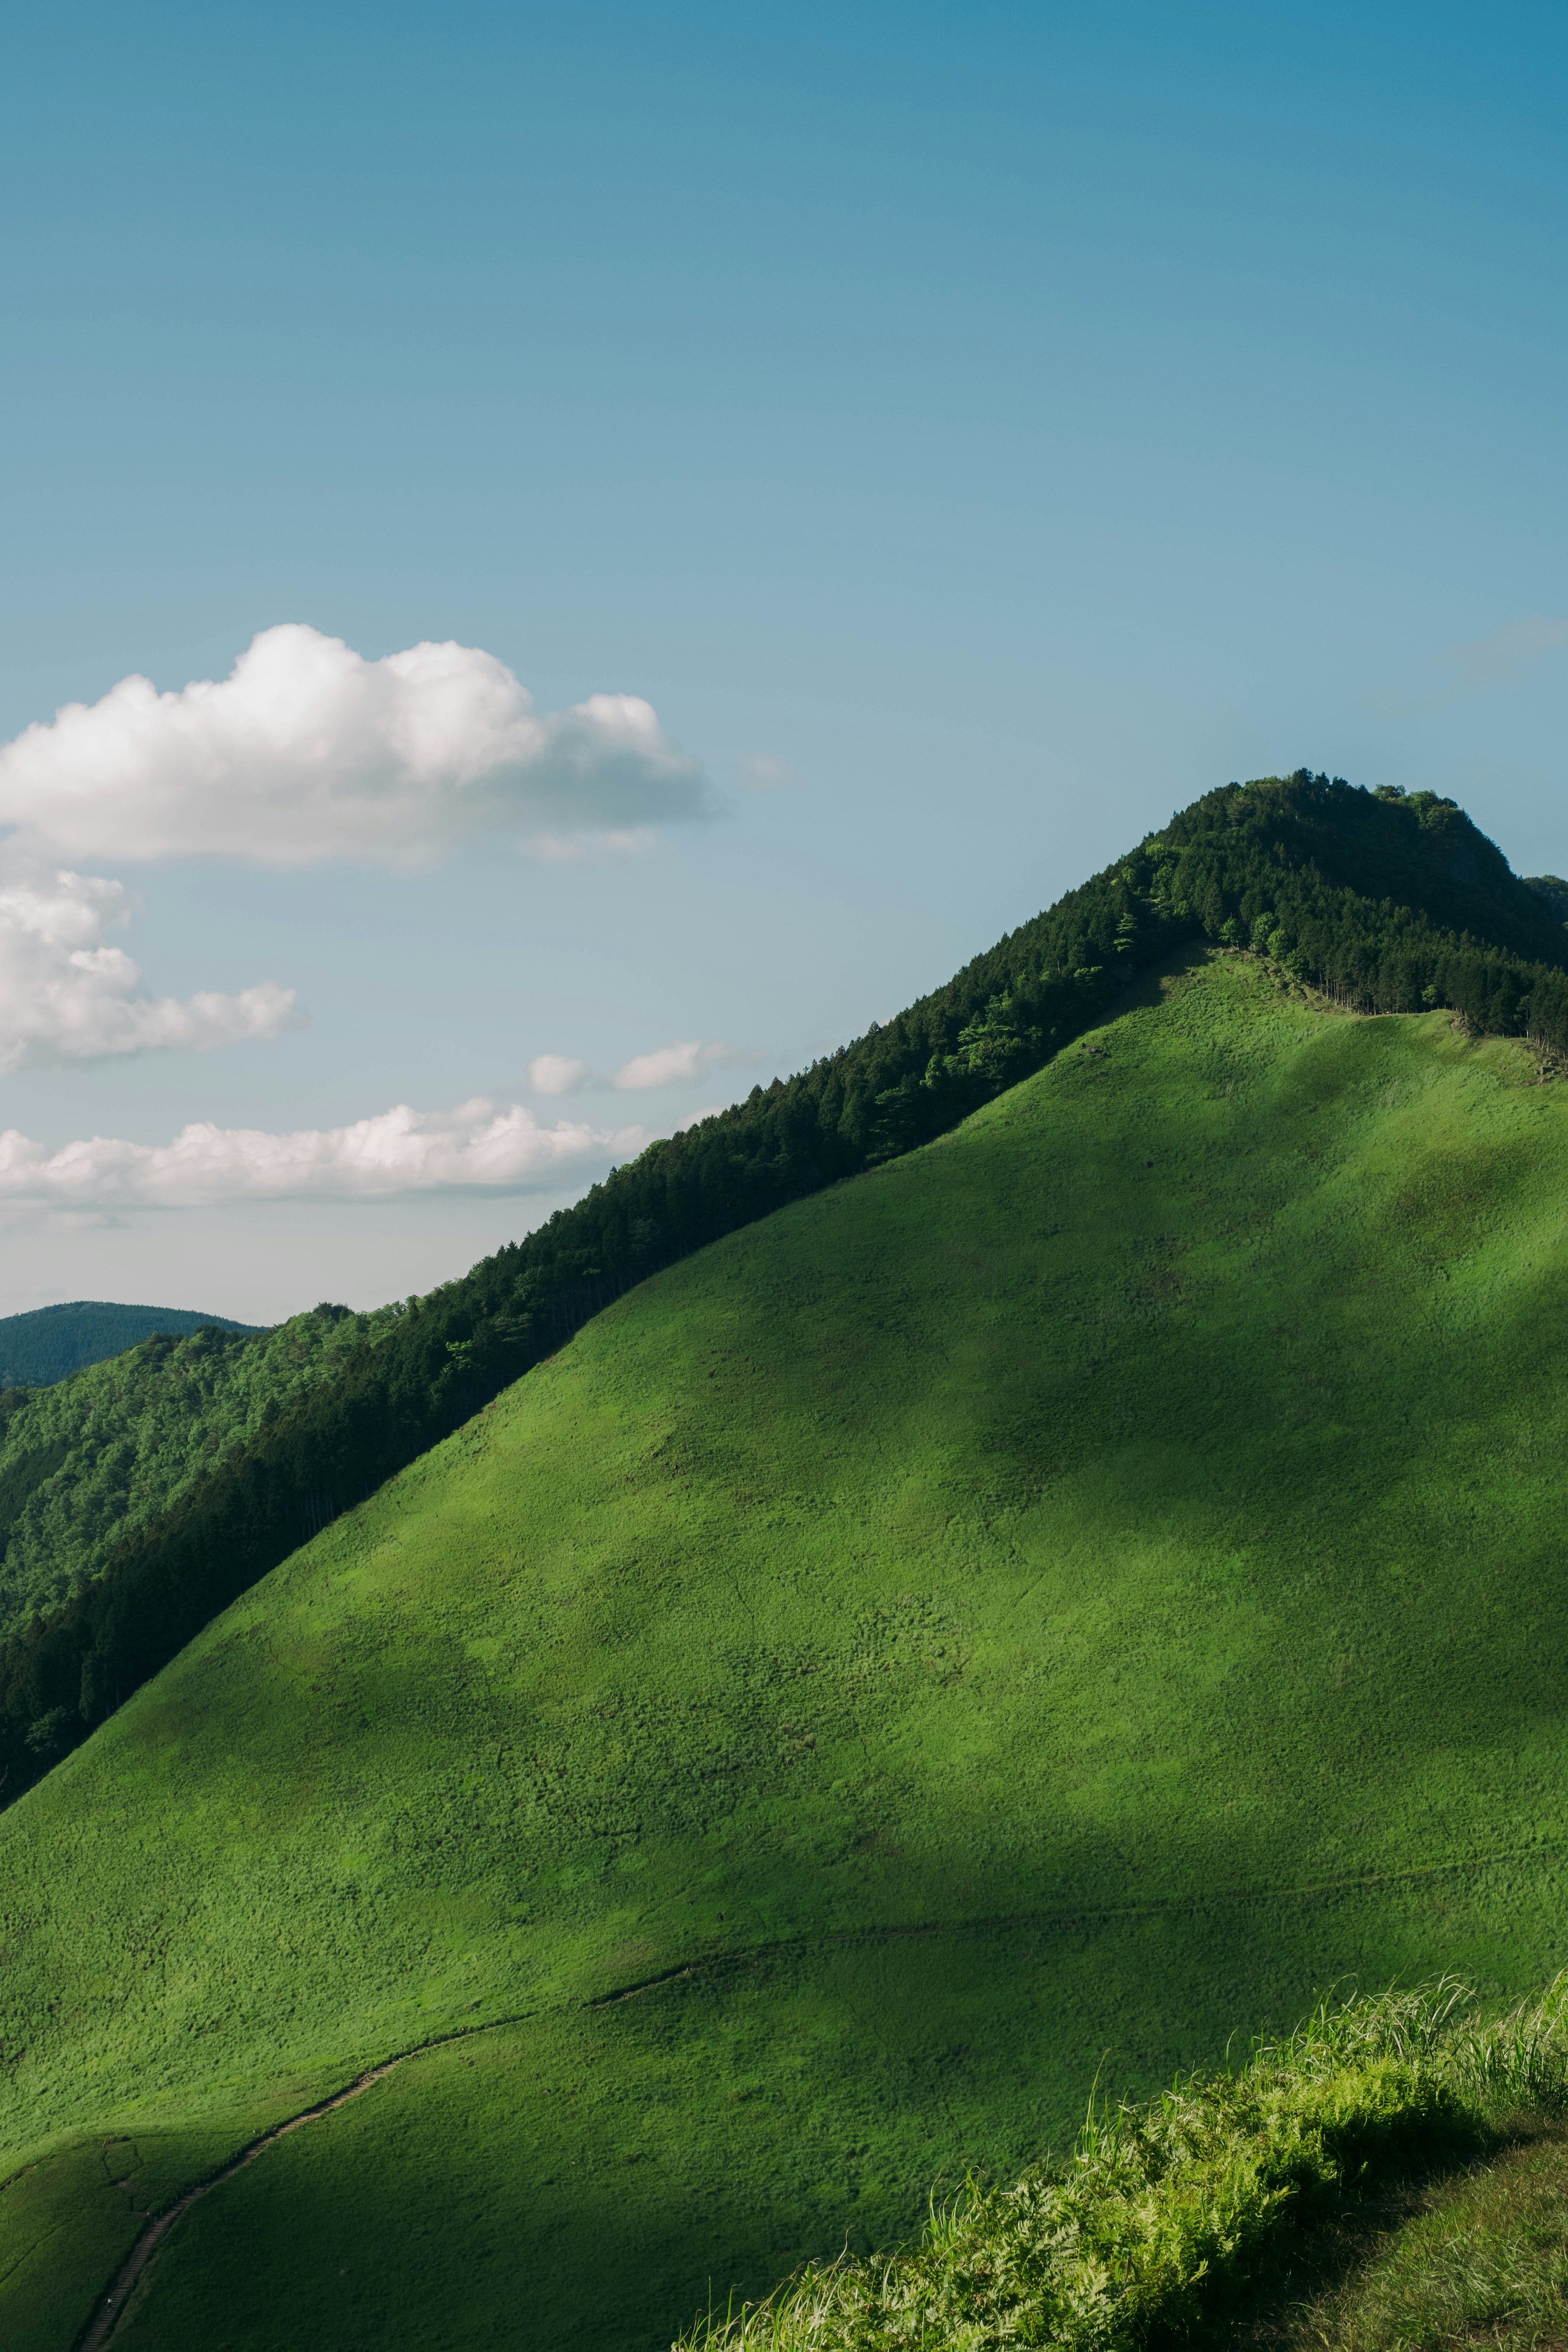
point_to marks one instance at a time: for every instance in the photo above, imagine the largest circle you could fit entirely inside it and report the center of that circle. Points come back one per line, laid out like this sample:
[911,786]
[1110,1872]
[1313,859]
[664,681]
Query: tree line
[84,1459]
[1392,902]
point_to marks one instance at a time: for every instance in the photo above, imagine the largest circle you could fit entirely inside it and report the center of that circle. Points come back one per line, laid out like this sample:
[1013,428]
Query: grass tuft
[1163,2210]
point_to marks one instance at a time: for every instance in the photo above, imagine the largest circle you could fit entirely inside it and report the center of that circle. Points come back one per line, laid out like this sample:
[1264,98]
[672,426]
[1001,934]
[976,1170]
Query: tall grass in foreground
[1161,2209]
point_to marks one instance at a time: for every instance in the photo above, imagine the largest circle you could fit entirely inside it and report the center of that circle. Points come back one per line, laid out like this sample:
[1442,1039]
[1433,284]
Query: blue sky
[973,431]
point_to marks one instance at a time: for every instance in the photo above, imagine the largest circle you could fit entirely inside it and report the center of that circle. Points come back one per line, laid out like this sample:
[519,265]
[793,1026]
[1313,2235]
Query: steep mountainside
[49,1343]
[1391,902]
[1078,1588]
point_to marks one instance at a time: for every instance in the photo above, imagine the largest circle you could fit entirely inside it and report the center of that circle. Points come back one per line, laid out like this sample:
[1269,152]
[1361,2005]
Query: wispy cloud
[68,996]
[308,752]
[481,1145]
[558,1073]
[1476,668]
[679,1065]
[1498,659]
[764,772]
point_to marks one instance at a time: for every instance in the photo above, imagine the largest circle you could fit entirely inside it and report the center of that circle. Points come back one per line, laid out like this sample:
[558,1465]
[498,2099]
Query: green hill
[1242,2206]
[1288,865]
[1073,1589]
[86,1460]
[49,1343]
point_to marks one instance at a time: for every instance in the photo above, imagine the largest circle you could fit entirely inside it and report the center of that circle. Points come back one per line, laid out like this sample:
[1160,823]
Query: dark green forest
[1553,890]
[85,1460]
[1386,901]
[49,1343]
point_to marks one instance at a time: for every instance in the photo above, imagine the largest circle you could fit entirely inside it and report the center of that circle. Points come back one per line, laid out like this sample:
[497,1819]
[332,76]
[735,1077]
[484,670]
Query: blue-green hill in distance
[48,1343]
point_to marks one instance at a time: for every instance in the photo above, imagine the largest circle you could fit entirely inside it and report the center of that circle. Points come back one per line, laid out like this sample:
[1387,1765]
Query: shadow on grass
[1362,2278]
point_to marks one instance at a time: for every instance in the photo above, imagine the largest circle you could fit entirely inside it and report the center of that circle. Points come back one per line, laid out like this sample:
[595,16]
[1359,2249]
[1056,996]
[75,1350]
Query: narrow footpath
[101,2328]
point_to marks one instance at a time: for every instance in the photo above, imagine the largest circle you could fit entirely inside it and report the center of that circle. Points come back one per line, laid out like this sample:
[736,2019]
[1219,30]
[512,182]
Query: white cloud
[557,1073]
[666,1065]
[677,1065]
[65,996]
[307,752]
[571,848]
[496,1147]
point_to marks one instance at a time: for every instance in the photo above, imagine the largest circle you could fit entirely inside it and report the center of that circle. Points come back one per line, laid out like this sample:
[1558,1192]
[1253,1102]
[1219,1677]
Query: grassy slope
[1077,1588]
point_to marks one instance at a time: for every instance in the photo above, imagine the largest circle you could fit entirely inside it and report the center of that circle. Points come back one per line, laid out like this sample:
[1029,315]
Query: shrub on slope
[1284,865]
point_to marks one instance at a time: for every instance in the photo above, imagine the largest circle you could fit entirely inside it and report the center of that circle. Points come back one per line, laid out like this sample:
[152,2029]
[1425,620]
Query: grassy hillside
[49,1343]
[90,1457]
[1074,1589]
[1390,902]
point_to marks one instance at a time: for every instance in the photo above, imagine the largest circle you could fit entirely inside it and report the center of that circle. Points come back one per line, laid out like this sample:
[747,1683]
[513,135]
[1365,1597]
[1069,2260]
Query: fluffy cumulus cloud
[483,1145]
[66,996]
[307,752]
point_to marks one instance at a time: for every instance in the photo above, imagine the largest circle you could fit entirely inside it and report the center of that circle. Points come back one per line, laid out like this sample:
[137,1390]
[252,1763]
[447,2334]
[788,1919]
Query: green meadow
[1031,1612]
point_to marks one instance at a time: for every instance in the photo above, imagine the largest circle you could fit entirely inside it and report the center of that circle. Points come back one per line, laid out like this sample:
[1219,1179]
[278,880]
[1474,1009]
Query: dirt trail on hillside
[718,1958]
[157,2230]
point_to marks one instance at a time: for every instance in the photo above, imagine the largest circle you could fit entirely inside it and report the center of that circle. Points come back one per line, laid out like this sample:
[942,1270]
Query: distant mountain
[49,1343]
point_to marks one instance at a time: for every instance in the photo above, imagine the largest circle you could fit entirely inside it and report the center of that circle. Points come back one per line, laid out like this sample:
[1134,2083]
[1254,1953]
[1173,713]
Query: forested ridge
[49,1343]
[86,1458]
[1392,902]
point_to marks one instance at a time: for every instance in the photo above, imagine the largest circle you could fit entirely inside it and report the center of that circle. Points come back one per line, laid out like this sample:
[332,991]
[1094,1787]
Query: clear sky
[968,432]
